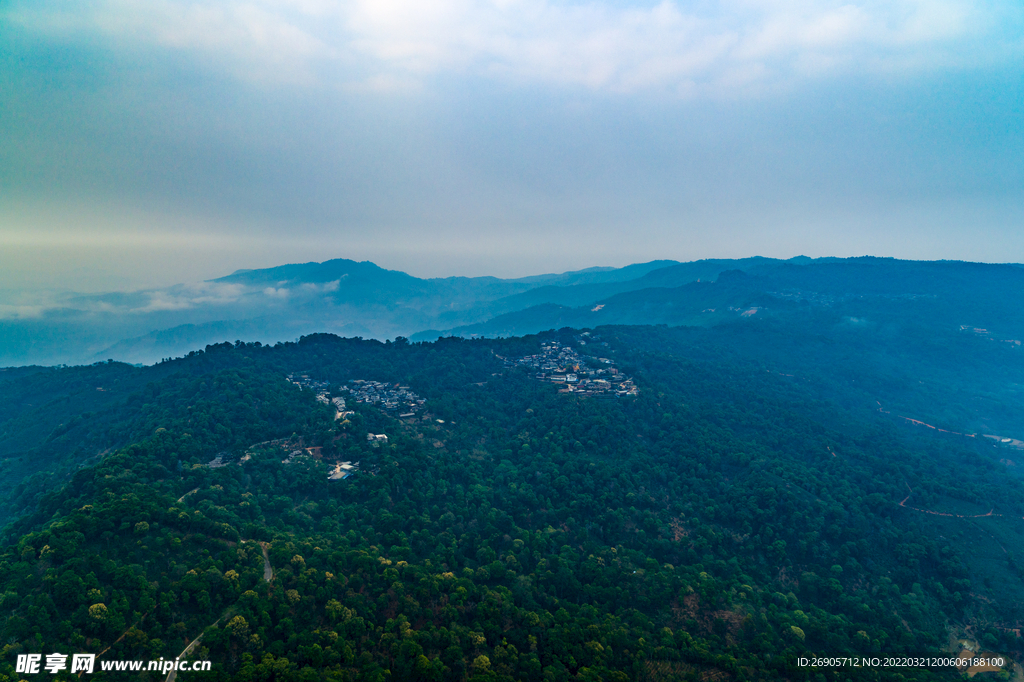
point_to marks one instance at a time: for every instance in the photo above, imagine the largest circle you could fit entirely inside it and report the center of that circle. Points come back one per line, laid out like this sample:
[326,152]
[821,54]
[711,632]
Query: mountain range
[362,299]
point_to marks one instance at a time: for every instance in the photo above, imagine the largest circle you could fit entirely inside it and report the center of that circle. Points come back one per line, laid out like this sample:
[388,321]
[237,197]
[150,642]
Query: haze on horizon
[153,142]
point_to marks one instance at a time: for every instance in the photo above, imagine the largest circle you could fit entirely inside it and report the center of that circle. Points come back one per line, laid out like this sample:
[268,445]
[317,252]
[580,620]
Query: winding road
[268,575]
[174,673]
[268,570]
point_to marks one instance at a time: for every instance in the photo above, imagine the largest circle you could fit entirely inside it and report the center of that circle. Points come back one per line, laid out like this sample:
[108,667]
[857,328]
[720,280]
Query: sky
[150,142]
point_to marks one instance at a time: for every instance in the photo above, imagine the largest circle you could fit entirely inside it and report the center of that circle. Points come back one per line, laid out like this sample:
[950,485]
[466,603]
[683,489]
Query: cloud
[714,46]
[185,296]
[247,34]
[175,298]
[20,312]
[160,302]
[326,287]
[724,45]
[211,296]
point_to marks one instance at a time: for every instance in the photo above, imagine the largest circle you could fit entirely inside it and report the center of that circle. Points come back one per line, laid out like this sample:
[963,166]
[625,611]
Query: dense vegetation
[721,524]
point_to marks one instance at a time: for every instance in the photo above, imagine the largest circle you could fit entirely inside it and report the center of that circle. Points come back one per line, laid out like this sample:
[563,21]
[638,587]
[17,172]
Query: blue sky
[148,142]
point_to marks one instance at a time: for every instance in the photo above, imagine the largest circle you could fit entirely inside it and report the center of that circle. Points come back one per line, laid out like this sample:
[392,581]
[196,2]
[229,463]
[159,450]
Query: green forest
[730,519]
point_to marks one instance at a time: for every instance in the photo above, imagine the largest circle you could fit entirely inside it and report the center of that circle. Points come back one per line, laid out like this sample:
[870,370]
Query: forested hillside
[724,521]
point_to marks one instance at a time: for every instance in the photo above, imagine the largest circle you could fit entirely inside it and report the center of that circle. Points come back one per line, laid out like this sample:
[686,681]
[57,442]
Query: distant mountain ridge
[353,298]
[943,293]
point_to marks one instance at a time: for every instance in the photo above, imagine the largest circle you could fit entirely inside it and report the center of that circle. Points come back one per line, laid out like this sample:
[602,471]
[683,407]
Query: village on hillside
[393,398]
[556,363]
[390,397]
[562,365]
[322,391]
[291,449]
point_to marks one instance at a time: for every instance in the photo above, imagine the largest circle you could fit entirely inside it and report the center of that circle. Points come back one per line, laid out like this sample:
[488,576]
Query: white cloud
[179,297]
[20,312]
[256,40]
[160,301]
[723,44]
[186,296]
[324,288]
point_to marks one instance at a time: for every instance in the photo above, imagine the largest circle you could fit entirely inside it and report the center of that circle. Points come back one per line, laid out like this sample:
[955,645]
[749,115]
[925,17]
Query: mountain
[361,299]
[703,502]
[930,295]
[270,305]
[285,302]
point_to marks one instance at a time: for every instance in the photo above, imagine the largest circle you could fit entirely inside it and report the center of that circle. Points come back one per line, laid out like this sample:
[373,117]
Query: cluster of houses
[390,397]
[323,393]
[293,449]
[342,470]
[321,388]
[218,461]
[556,363]
[562,365]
